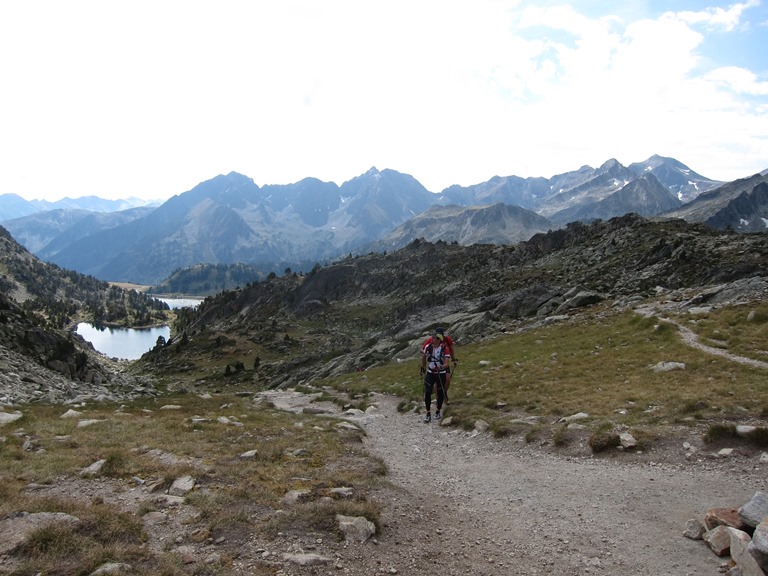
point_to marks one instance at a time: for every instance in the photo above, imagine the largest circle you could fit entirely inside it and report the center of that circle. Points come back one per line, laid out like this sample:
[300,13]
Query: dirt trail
[465,503]
[690,338]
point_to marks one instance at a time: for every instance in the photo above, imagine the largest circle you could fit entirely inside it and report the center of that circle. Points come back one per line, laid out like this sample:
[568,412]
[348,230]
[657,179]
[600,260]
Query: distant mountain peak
[609,164]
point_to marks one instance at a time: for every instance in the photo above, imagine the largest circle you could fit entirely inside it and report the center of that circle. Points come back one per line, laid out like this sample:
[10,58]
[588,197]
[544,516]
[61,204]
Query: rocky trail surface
[468,504]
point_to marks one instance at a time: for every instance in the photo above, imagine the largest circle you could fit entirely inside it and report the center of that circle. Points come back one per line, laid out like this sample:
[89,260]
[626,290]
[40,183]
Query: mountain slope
[63,296]
[512,190]
[708,207]
[495,224]
[42,359]
[229,219]
[13,206]
[37,230]
[644,196]
[600,184]
[683,182]
[372,307]
[748,212]
[45,233]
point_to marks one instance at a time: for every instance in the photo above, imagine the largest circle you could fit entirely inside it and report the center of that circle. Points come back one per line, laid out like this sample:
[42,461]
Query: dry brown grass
[237,496]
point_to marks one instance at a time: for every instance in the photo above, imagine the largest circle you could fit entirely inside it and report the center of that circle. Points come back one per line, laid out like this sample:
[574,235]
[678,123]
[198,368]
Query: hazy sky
[149,98]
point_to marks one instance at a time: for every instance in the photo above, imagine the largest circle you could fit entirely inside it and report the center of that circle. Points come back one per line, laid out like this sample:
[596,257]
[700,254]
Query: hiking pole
[453,371]
[445,393]
[423,376]
[442,387]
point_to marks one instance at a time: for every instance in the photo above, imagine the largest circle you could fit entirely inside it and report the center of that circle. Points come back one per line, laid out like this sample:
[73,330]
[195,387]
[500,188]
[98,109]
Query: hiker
[449,343]
[449,373]
[435,361]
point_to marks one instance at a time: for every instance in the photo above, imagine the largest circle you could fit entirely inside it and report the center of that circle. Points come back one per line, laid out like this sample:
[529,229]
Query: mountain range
[14,206]
[230,219]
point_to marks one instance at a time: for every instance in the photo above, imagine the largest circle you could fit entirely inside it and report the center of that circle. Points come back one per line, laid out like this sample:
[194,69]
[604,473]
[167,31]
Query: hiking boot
[428,417]
[437,415]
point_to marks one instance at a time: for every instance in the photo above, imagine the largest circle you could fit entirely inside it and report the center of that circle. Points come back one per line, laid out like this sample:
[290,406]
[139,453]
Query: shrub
[602,441]
[758,437]
[560,436]
[720,432]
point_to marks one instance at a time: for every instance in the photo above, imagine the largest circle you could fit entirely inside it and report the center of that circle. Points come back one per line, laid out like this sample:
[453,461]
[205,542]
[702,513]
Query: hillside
[368,309]
[63,296]
[208,279]
[495,224]
[741,205]
[41,358]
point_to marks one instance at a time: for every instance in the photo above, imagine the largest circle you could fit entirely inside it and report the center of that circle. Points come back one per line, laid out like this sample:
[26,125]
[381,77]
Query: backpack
[435,356]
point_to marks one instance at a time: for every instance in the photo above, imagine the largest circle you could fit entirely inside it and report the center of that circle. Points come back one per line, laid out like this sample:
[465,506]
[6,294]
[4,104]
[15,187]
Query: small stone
[694,529]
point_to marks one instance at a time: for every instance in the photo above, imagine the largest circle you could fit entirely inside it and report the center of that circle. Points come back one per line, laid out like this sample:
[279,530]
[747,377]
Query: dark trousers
[434,380]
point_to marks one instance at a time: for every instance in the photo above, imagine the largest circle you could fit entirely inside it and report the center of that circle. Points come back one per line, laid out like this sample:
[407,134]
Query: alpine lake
[130,343]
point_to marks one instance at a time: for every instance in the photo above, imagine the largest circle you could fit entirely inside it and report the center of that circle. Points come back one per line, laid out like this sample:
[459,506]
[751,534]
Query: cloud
[716,17]
[739,80]
[149,99]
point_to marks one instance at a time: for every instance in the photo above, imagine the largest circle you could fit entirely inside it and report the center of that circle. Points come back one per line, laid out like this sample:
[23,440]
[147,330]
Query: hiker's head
[440,333]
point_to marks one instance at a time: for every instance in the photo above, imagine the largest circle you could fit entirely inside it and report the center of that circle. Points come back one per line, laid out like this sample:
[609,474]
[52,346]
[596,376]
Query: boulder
[758,547]
[182,486]
[719,540]
[694,529]
[756,510]
[15,530]
[302,559]
[740,555]
[723,517]
[356,528]
[8,417]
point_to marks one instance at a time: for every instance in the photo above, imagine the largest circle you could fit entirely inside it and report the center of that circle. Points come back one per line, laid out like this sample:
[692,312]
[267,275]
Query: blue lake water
[181,302]
[125,343]
[130,343]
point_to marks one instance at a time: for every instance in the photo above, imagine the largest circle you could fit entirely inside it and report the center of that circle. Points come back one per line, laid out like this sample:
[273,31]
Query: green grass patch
[739,329]
[600,365]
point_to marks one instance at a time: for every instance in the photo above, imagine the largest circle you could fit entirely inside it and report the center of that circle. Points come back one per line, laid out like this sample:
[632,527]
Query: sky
[148,98]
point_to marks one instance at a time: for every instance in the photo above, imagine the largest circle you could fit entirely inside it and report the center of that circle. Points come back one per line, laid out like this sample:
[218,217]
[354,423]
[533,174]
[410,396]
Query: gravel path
[465,503]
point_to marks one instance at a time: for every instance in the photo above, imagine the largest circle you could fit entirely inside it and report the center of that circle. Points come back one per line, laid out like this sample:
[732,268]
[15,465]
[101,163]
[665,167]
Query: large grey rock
[758,547]
[293,496]
[15,530]
[756,510]
[581,299]
[356,528]
[94,469]
[307,559]
[740,555]
[112,569]
[182,486]
[8,417]
[694,529]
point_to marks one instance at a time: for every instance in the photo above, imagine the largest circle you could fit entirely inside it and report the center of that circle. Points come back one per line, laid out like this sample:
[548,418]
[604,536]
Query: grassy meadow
[603,367]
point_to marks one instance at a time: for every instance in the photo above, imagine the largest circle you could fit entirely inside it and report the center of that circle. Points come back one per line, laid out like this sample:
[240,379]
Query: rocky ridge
[477,290]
